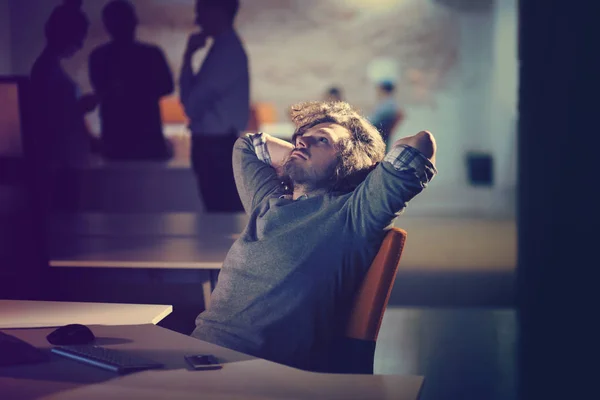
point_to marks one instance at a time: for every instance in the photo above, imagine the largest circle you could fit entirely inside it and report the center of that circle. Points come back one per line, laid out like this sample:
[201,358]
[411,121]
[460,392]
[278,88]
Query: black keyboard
[113,360]
[14,351]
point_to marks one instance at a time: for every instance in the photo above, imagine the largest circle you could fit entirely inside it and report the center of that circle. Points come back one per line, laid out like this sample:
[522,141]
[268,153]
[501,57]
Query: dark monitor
[13,122]
[22,233]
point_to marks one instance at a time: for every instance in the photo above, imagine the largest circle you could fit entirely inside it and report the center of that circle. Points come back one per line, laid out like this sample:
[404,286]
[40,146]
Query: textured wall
[456,69]
[5,53]
[299,48]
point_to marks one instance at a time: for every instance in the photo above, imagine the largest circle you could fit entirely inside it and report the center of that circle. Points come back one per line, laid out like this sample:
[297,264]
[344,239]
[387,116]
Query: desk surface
[33,314]
[201,241]
[142,252]
[242,377]
[172,241]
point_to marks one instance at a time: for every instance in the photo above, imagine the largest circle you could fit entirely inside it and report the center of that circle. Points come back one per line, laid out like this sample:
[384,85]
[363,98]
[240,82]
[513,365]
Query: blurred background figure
[387,114]
[334,93]
[60,139]
[129,78]
[216,99]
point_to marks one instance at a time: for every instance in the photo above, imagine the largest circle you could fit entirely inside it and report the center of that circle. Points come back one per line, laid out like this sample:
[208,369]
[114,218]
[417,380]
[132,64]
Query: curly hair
[357,155]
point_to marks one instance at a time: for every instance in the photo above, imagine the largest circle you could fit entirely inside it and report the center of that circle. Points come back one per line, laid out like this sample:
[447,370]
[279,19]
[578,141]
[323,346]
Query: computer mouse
[71,334]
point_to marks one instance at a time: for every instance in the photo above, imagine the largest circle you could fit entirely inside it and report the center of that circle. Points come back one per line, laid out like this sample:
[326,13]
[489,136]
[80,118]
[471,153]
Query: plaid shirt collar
[290,197]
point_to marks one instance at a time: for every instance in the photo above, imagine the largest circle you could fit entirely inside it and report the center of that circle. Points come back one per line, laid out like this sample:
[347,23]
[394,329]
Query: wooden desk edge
[165,311]
[168,310]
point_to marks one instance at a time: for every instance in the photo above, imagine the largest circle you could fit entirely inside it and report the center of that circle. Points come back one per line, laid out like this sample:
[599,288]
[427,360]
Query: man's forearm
[279,150]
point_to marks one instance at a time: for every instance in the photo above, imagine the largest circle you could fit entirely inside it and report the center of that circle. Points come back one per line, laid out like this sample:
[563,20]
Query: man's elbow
[426,144]
[423,141]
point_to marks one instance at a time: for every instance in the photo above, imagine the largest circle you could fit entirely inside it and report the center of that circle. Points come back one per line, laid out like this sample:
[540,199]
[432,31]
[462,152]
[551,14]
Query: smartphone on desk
[203,361]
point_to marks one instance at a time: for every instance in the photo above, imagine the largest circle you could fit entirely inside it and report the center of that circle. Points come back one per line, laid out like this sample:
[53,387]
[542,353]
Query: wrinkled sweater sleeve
[377,201]
[255,178]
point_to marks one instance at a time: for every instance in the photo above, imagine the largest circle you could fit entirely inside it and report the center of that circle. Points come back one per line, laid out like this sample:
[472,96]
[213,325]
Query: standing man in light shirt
[216,99]
[387,114]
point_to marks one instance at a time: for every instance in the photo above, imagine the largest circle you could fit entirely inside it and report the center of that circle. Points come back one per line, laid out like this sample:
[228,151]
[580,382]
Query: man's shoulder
[389,105]
[45,71]
[102,48]
[147,47]
[40,67]
[136,47]
[99,52]
[232,46]
[141,50]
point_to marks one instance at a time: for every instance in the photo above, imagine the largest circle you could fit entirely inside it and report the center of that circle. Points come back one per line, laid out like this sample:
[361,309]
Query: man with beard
[286,284]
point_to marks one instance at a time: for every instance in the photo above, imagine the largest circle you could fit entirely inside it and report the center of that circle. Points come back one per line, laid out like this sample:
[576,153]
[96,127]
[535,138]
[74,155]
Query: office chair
[171,111]
[356,351]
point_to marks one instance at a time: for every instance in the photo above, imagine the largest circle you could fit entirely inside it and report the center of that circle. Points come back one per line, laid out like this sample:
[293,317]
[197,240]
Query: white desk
[34,314]
[143,252]
[163,241]
[190,240]
[242,377]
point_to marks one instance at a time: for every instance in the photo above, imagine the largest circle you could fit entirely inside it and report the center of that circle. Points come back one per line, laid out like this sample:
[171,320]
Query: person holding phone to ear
[216,100]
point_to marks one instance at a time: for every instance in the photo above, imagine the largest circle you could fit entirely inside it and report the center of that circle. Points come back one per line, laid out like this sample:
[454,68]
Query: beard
[300,174]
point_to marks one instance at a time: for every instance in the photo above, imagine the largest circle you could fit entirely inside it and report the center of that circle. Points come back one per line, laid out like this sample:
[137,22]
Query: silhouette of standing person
[387,114]
[60,140]
[129,78]
[216,99]
[334,93]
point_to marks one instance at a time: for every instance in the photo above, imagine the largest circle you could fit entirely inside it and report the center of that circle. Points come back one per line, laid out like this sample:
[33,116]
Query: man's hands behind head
[422,141]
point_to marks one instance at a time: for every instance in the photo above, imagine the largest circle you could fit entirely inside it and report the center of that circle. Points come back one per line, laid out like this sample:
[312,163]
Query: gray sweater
[286,284]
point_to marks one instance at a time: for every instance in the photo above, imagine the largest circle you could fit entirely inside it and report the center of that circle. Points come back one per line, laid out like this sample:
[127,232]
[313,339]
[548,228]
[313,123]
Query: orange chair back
[253,122]
[374,292]
[171,111]
[265,113]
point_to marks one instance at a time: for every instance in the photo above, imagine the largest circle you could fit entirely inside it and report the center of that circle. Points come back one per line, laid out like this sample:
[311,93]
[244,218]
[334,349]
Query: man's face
[314,158]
